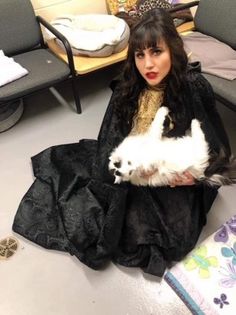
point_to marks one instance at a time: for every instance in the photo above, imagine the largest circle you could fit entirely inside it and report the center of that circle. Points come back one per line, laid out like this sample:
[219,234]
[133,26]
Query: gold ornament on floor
[8,247]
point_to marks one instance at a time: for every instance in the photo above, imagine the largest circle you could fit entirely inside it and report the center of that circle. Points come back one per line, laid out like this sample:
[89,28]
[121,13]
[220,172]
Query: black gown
[74,206]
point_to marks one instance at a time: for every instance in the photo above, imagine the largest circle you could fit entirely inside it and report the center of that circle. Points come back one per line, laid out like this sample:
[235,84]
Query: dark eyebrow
[138,50]
[157,47]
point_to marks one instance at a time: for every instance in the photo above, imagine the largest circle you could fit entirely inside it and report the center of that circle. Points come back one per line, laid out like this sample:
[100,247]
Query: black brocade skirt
[70,208]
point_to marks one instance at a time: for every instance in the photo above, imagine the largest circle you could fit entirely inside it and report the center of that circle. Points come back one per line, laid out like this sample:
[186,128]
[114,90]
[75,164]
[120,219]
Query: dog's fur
[168,156]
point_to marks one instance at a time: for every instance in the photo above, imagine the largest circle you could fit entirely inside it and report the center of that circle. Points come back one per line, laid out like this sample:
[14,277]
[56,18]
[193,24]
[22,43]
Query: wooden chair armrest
[186,27]
[85,64]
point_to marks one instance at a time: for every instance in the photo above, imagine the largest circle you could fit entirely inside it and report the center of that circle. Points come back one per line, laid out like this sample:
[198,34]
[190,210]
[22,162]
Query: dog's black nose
[117,164]
[118,173]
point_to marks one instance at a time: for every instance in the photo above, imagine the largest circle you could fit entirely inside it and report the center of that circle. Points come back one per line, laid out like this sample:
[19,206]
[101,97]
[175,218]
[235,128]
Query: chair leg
[76,96]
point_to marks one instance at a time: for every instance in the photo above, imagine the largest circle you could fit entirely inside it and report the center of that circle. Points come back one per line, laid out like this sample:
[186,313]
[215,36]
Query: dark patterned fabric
[74,206]
[143,6]
[147,5]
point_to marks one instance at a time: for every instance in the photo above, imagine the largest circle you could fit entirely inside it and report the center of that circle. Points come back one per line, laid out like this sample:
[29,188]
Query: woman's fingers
[186,179]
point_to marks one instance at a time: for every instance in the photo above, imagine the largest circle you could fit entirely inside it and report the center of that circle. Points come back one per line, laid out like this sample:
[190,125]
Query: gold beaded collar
[149,102]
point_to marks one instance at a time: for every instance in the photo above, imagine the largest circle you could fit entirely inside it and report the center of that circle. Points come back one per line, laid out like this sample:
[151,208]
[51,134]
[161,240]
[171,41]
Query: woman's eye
[139,55]
[157,52]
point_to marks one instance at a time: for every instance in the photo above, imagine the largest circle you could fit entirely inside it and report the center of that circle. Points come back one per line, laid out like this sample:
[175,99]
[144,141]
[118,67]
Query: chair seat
[45,70]
[223,88]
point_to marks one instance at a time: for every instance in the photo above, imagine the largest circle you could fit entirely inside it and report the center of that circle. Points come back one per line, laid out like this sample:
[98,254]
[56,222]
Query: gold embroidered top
[149,102]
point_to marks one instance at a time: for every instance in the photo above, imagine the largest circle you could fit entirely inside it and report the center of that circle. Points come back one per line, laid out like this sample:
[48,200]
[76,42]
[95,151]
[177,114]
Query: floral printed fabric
[206,279]
[116,6]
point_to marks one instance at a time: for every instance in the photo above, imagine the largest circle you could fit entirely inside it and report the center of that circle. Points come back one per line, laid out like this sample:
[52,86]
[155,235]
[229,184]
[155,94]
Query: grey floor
[36,281]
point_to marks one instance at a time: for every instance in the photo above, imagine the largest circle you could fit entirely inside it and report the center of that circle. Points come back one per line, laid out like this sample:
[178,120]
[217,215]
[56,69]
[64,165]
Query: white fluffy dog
[168,156]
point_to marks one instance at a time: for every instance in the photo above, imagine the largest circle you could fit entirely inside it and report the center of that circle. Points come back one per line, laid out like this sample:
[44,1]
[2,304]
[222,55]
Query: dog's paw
[163,111]
[195,124]
[114,168]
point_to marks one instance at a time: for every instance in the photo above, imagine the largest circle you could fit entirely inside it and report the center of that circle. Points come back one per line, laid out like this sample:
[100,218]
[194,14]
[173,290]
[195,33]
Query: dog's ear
[111,156]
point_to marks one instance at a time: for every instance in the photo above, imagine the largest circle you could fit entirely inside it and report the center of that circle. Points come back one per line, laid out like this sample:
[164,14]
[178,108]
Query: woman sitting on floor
[74,205]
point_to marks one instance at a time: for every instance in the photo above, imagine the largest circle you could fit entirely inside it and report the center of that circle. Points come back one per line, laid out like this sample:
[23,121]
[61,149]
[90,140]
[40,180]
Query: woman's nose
[148,62]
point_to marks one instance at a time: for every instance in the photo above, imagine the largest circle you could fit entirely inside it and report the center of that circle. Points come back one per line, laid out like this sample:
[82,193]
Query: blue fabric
[182,293]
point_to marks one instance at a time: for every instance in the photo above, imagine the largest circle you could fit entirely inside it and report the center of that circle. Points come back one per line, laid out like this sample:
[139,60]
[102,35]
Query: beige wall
[50,9]
[193,10]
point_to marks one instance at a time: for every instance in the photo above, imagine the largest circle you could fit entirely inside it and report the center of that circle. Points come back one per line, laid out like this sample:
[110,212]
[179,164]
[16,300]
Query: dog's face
[121,168]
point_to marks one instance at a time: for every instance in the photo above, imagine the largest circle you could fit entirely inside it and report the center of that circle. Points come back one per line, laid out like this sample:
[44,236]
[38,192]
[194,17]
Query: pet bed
[93,35]
[10,113]
[206,279]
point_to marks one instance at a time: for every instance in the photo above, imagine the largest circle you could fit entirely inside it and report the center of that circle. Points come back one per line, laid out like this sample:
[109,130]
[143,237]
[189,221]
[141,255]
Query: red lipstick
[151,75]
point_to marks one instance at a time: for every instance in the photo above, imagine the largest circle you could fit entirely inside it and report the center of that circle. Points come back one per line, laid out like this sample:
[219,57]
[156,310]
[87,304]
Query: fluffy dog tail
[221,170]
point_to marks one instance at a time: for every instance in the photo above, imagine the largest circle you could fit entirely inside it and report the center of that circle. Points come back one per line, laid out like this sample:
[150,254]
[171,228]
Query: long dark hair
[156,25]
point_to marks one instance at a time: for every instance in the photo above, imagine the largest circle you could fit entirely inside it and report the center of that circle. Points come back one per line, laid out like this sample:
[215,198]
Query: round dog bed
[94,35]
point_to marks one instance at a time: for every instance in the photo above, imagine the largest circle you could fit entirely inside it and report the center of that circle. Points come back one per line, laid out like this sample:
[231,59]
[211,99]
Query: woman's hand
[186,179]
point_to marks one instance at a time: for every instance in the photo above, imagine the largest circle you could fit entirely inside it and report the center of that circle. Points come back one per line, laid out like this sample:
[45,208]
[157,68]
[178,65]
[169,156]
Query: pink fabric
[216,57]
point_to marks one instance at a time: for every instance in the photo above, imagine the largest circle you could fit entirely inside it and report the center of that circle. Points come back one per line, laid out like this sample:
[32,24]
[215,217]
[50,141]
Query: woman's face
[154,63]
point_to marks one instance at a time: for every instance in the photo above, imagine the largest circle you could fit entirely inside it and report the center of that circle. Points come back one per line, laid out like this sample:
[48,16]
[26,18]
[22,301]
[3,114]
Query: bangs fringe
[146,37]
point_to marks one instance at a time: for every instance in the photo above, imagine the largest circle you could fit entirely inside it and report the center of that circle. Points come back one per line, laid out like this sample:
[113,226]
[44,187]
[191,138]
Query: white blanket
[90,31]
[10,70]
[206,279]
